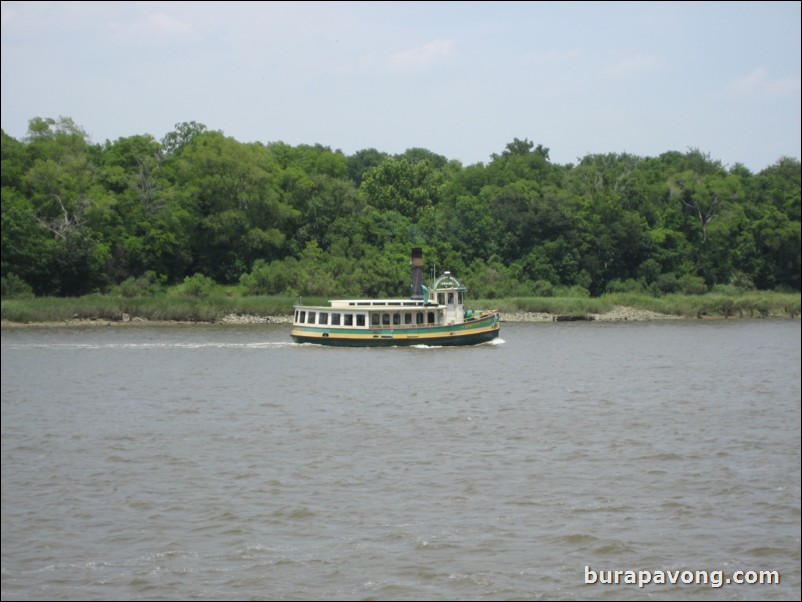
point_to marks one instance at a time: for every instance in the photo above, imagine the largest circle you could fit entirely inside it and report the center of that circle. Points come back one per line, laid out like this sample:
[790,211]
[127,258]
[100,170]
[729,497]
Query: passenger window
[385,319]
[407,318]
[311,317]
[324,318]
[375,319]
[360,319]
[349,319]
[335,319]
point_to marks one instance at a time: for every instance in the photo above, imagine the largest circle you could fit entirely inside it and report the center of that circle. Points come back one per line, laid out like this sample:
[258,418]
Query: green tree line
[275,219]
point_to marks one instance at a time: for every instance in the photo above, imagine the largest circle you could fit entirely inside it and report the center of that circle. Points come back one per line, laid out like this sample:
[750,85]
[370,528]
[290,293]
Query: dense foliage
[199,207]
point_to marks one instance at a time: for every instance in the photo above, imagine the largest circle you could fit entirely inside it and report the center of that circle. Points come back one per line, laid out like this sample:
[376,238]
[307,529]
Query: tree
[26,248]
[398,185]
[363,160]
[183,134]
[704,196]
[14,161]
[232,190]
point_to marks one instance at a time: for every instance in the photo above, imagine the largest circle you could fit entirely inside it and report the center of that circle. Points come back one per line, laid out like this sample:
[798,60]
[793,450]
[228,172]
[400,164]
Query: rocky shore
[617,314]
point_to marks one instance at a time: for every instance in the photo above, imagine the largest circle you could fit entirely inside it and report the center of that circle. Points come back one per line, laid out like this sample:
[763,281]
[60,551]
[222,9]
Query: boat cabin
[442,304]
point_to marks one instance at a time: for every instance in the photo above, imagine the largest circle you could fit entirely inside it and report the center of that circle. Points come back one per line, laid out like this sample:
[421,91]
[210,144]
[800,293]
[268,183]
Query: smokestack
[417,274]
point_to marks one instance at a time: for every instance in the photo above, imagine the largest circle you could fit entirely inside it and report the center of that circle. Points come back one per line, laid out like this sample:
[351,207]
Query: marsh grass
[756,304]
[220,303]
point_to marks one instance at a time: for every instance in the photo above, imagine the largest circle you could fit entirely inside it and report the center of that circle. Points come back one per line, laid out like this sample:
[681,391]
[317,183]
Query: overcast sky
[460,79]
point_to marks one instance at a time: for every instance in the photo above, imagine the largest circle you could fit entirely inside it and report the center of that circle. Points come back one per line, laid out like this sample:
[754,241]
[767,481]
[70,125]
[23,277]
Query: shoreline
[617,314]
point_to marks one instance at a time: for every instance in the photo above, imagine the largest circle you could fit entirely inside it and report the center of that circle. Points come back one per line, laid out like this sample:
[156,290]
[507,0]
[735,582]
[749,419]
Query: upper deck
[377,303]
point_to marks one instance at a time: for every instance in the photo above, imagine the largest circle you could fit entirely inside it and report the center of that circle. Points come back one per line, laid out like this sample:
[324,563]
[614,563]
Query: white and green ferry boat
[433,315]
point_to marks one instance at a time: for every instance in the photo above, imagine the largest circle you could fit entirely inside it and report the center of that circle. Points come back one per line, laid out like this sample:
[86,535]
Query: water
[222,462]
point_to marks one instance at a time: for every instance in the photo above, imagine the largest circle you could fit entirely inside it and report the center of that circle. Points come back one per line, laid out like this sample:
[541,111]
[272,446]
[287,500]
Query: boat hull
[473,332]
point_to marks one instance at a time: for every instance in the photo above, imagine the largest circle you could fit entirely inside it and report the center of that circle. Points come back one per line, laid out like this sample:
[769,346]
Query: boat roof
[350,303]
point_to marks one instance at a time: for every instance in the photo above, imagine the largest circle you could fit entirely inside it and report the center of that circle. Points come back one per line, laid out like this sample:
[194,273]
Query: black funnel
[417,274]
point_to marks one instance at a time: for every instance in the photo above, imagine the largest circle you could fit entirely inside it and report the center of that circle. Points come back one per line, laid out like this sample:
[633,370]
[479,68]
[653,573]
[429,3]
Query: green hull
[475,333]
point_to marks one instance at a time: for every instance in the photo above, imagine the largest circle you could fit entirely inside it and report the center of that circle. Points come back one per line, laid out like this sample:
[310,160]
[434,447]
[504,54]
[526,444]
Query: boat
[433,315]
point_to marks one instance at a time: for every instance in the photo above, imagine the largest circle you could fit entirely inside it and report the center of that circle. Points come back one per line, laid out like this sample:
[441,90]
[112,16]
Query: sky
[461,79]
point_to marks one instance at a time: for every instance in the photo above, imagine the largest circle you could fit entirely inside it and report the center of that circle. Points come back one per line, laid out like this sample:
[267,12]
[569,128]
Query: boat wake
[147,346]
[492,343]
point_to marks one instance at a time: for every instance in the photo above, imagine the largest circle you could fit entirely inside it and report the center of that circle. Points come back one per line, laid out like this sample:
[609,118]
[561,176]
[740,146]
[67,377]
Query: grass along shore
[231,308]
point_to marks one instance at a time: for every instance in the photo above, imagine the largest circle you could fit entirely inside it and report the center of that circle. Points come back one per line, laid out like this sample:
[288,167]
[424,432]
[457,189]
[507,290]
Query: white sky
[461,79]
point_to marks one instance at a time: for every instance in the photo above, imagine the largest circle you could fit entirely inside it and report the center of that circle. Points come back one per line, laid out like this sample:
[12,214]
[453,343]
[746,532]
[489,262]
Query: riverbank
[214,309]
[617,314]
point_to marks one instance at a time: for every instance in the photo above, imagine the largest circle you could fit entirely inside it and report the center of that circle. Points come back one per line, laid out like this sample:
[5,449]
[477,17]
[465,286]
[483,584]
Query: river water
[226,462]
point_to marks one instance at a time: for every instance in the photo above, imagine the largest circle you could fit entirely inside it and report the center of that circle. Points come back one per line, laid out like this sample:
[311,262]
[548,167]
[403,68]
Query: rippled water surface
[226,462]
